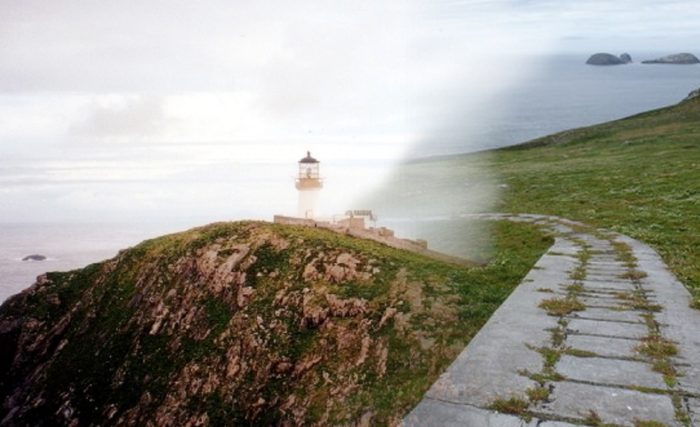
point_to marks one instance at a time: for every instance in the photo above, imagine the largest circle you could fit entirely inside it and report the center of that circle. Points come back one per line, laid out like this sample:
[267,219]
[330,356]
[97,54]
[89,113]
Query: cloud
[248,81]
[122,116]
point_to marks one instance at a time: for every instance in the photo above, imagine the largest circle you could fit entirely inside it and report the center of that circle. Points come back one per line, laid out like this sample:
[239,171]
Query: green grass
[646,423]
[112,308]
[580,353]
[636,301]
[513,405]
[562,306]
[538,393]
[635,275]
[550,356]
[637,176]
[657,347]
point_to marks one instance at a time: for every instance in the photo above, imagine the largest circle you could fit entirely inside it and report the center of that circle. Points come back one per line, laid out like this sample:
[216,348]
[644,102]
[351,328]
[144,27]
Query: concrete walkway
[598,333]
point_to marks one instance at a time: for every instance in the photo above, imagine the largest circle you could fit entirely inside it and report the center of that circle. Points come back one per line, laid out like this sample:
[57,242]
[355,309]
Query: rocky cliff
[235,324]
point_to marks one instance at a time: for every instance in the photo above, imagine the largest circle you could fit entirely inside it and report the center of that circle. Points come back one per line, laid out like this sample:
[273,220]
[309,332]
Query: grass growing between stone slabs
[633,275]
[636,300]
[550,356]
[562,306]
[624,253]
[657,350]
[576,352]
[538,393]
[657,347]
[642,423]
[513,405]
[637,176]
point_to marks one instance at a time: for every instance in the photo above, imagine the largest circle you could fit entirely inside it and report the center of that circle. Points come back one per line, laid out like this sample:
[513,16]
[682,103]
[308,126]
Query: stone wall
[381,235]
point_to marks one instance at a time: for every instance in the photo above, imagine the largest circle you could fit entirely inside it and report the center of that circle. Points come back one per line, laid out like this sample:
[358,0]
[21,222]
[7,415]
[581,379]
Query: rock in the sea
[608,59]
[626,58]
[34,257]
[678,58]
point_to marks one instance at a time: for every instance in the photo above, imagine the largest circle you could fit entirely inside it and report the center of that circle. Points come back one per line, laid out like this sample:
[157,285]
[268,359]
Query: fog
[175,111]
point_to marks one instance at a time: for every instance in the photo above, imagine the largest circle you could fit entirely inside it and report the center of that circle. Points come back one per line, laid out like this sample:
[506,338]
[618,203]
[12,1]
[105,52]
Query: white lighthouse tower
[309,184]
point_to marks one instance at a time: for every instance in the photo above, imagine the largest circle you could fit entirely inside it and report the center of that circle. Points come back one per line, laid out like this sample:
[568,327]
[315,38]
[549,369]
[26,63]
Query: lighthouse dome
[308,159]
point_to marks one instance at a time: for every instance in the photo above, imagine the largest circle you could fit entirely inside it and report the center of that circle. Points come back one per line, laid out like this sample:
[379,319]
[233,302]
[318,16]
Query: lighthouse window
[308,172]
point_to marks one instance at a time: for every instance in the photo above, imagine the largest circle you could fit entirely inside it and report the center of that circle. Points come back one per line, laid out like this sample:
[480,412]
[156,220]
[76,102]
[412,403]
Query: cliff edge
[236,323]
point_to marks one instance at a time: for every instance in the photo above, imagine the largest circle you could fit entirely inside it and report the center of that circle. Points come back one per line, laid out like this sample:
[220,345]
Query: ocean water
[66,246]
[563,93]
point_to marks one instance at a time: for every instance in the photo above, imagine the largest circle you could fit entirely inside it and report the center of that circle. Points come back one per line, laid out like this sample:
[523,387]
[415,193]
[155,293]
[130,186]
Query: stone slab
[612,285]
[604,262]
[613,405]
[600,277]
[610,293]
[611,347]
[611,272]
[607,314]
[489,367]
[436,413]
[616,329]
[694,411]
[609,371]
[680,321]
[599,299]
[594,299]
[597,303]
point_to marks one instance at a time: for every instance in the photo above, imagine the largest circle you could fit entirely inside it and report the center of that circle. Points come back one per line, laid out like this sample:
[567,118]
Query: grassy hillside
[639,176]
[248,324]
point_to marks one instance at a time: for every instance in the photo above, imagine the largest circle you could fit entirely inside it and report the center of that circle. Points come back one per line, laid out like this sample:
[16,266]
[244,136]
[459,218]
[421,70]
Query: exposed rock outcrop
[678,58]
[693,95]
[235,324]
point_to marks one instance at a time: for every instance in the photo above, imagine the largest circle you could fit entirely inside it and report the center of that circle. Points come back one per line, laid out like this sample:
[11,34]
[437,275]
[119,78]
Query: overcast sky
[199,100]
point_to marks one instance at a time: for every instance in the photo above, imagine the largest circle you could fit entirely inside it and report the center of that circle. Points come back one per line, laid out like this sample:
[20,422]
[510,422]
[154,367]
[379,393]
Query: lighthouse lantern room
[309,184]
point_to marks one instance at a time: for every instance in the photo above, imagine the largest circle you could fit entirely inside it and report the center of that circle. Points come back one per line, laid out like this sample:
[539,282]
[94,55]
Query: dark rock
[34,257]
[692,95]
[626,58]
[678,58]
[605,59]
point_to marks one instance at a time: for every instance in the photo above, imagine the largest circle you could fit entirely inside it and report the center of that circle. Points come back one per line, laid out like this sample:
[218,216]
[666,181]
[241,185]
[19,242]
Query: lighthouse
[309,184]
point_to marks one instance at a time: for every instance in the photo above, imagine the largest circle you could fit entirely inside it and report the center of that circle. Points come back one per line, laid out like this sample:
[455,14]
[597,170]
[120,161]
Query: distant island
[609,59]
[678,58]
[34,257]
[603,58]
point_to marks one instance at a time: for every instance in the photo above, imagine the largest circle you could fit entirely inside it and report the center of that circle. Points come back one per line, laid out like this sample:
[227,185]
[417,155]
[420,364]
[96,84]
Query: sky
[190,111]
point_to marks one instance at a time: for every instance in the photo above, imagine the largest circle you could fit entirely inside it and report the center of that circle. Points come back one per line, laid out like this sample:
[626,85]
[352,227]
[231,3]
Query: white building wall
[308,203]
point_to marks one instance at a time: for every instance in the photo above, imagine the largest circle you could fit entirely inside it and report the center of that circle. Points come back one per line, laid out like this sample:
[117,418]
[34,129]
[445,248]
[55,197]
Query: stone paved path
[599,332]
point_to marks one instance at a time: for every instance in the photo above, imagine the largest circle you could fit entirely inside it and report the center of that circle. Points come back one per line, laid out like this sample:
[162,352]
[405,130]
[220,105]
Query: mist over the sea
[120,121]
[415,200]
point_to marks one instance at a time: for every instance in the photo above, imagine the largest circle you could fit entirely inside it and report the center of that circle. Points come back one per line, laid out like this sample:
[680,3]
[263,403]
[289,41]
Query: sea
[563,94]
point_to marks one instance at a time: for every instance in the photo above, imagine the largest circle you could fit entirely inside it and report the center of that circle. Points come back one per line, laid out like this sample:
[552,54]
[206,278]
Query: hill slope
[639,176]
[247,323]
